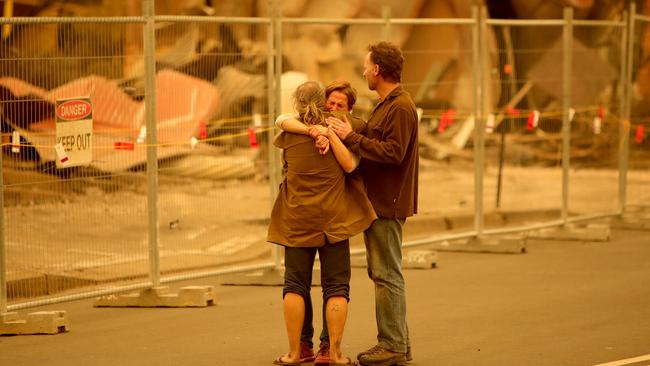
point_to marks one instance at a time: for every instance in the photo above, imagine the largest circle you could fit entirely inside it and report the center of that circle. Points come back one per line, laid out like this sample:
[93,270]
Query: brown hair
[309,101]
[390,60]
[344,88]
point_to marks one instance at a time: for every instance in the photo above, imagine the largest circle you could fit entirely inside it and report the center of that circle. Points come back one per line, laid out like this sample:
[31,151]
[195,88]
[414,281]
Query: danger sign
[74,131]
[73,110]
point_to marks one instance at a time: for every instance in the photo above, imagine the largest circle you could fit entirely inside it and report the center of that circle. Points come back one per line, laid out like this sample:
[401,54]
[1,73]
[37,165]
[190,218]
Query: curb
[43,284]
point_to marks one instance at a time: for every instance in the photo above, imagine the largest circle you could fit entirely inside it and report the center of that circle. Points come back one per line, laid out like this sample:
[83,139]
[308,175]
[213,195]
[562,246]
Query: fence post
[274,179]
[567,37]
[3,258]
[8,11]
[385,32]
[479,60]
[152,158]
[624,125]
[272,98]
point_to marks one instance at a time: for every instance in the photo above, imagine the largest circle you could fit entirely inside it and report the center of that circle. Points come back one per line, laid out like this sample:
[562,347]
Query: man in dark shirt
[388,149]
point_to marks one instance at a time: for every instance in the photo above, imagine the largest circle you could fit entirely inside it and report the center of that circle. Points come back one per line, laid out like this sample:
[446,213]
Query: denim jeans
[383,241]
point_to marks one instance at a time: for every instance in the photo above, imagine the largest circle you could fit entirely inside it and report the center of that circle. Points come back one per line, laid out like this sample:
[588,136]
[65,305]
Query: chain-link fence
[100,215]
[214,195]
[84,225]
[597,87]
[524,125]
[638,127]
[126,165]
[525,142]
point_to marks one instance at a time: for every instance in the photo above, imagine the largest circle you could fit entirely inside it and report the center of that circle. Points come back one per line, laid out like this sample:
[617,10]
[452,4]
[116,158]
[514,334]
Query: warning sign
[74,131]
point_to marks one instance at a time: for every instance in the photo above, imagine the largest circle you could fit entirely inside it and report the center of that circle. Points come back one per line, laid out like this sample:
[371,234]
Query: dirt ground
[99,234]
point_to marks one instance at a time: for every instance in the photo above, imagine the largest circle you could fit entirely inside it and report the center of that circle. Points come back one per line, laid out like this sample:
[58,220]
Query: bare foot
[287,359]
[342,360]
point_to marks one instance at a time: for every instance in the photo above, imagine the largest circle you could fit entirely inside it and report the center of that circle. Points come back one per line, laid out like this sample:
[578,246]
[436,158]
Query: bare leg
[294,315]
[337,313]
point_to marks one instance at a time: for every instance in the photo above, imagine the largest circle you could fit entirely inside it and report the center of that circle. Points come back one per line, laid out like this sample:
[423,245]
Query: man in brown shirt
[389,165]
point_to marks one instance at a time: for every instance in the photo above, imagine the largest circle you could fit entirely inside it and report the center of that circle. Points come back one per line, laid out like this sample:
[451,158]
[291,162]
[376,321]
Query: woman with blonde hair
[316,212]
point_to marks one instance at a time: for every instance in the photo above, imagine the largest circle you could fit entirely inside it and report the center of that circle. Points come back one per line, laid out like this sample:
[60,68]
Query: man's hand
[341,128]
[322,144]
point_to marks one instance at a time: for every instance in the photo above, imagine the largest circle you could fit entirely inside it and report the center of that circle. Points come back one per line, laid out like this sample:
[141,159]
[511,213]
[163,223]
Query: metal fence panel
[638,128]
[83,230]
[523,130]
[441,78]
[78,227]
[214,196]
[598,62]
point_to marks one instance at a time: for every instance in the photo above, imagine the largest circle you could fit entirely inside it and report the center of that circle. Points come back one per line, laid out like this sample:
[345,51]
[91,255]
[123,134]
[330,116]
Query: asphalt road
[561,303]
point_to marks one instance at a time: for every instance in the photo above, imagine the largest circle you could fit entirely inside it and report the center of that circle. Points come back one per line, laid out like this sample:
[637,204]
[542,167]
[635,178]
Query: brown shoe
[371,350]
[379,356]
[306,353]
[323,354]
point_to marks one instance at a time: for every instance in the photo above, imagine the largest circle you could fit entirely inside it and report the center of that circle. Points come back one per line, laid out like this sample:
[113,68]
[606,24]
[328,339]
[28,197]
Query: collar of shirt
[397,91]
[393,93]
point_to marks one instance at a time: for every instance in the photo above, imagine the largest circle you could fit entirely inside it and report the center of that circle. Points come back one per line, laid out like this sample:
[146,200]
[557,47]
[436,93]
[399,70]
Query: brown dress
[316,203]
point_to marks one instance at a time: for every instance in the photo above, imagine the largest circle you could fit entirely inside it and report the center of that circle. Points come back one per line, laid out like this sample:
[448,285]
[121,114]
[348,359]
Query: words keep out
[75,142]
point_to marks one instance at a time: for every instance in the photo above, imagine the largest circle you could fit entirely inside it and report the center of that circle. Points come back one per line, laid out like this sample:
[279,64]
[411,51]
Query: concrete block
[41,322]
[515,244]
[420,259]
[191,296]
[266,277]
[588,232]
[638,209]
[413,259]
[636,220]
[194,296]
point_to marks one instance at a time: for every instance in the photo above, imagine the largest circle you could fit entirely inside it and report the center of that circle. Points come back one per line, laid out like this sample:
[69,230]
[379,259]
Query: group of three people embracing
[344,176]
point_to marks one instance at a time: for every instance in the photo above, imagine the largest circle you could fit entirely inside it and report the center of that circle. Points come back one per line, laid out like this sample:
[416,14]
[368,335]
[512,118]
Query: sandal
[278,361]
[348,362]
[323,355]
[306,353]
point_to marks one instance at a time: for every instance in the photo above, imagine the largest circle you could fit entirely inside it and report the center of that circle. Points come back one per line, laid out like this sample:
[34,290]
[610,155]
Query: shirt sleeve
[390,147]
[283,117]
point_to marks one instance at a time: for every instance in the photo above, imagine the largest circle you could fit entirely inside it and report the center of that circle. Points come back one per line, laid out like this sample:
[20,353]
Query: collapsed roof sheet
[183,102]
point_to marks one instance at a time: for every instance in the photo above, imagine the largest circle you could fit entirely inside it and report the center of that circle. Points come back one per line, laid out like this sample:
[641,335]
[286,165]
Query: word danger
[75,142]
[73,110]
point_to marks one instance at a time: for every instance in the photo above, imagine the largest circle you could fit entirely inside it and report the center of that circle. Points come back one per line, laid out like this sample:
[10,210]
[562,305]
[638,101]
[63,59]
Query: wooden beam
[26,2]
[7,12]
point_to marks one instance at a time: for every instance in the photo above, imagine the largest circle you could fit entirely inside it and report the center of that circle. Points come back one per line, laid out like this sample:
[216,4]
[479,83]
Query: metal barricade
[136,213]
[182,174]
[637,128]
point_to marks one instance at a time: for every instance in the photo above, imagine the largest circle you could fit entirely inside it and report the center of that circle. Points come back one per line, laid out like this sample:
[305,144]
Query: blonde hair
[309,101]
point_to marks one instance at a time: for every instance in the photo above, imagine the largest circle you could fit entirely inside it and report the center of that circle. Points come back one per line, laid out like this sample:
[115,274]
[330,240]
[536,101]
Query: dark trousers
[335,279]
